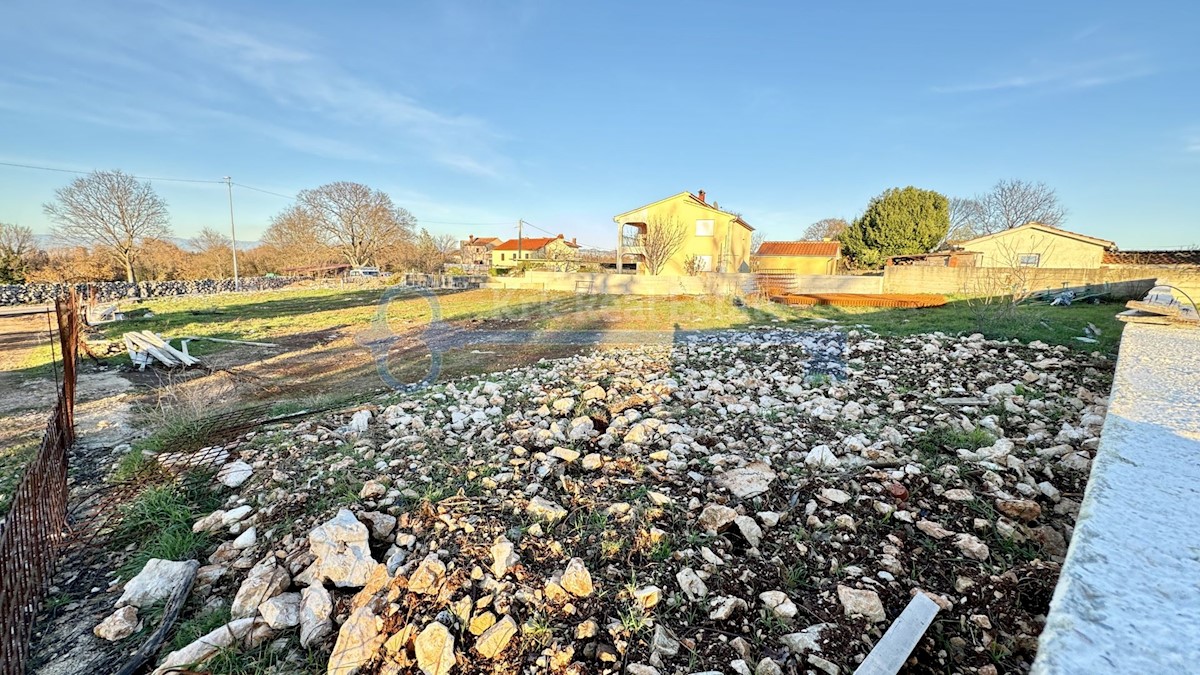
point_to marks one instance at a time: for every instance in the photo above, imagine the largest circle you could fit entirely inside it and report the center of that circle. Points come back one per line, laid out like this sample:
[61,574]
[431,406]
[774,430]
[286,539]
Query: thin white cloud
[301,80]
[466,165]
[1061,76]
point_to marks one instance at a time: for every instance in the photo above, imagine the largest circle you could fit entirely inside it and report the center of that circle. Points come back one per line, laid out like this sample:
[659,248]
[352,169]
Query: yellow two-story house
[551,253]
[683,234]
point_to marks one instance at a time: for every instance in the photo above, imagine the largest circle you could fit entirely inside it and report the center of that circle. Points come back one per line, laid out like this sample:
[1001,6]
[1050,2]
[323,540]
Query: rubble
[754,501]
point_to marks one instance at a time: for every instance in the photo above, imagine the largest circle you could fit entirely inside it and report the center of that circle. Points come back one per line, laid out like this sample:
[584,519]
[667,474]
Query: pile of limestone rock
[762,501]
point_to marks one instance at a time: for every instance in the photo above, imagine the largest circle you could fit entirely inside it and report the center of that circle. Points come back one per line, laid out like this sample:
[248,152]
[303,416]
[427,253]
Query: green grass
[159,521]
[198,626]
[936,446]
[12,468]
[323,314]
[263,660]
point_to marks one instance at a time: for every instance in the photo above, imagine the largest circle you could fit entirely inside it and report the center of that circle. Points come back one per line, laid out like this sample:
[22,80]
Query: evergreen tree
[898,222]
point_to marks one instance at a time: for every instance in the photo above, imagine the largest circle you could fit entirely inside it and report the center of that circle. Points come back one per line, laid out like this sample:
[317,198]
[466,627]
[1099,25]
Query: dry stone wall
[107,291]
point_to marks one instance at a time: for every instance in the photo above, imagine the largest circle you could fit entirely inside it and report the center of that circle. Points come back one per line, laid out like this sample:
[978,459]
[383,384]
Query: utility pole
[237,284]
[520,242]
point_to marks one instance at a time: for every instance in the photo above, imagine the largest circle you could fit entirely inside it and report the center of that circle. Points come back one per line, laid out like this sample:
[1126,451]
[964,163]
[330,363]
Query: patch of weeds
[55,601]
[983,509]
[771,624]
[662,550]
[611,546]
[537,631]
[1022,390]
[795,577]
[155,509]
[1011,551]
[637,494]
[935,446]
[634,620]
[695,538]
[174,543]
[342,491]
[198,626]
[814,380]
[585,523]
[265,660]
[997,652]
[133,464]
[160,519]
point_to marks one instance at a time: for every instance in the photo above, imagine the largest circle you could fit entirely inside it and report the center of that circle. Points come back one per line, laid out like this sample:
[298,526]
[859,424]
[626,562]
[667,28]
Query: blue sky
[474,114]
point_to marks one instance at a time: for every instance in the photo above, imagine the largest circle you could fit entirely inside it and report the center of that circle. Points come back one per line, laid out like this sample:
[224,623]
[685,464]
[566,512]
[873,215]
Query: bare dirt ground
[27,395]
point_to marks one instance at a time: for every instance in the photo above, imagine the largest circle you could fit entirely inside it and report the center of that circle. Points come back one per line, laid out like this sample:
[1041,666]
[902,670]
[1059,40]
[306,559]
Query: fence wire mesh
[34,526]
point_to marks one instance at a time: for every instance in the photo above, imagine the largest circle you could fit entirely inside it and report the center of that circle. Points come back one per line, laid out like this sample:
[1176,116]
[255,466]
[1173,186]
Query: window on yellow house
[704,228]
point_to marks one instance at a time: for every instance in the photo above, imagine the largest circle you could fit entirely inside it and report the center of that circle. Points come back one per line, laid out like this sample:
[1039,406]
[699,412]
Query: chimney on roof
[701,196]
[572,240]
[560,236]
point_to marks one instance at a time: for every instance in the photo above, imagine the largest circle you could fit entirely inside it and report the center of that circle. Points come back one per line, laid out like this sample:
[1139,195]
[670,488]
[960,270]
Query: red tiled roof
[481,241]
[1151,258]
[529,244]
[825,249]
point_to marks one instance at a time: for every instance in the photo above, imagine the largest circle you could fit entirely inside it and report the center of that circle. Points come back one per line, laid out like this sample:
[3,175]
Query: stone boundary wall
[1122,282]
[705,284]
[109,291]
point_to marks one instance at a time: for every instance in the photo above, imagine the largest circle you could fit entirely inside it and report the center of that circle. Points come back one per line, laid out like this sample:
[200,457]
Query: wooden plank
[231,342]
[166,347]
[143,345]
[1153,307]
[889,655]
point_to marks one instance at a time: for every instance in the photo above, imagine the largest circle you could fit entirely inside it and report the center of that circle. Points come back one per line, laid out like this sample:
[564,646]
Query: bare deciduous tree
[110,211]
[214,255]
[664,236]
[966,219]
[1012,203]
[428,253]
[294,240]
[757,240]
[16,240]
[355,220]
[826,228]
[17,247]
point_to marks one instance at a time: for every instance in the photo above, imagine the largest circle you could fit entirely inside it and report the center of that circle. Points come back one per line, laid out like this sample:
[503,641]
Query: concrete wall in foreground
[704,284]
[1128,598]
[1124,282]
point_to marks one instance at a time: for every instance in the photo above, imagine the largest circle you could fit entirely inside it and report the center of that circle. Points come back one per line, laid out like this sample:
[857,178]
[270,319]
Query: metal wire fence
[34,526]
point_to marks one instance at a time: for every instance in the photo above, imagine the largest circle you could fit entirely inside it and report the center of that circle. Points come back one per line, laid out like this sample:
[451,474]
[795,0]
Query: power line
[241,185]
[266,192]
[159,178]
[542,229]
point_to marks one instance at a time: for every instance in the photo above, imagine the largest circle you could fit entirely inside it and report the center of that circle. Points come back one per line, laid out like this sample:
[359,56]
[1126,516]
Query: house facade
[552,253]
[476,252]
[712,240]
[797,257]
[1038,245]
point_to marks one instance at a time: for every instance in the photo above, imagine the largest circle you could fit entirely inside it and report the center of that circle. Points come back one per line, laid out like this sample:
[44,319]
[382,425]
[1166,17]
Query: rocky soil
[765,501]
